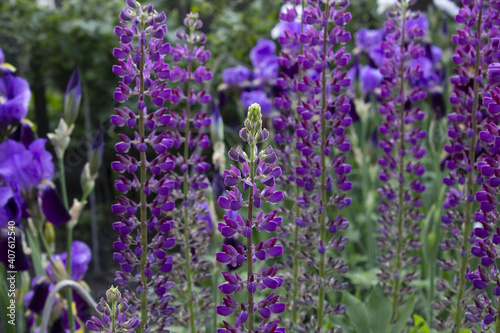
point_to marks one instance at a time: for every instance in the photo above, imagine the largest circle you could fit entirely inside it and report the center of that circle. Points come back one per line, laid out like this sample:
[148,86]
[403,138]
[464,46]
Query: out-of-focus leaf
[356,312]
[405,312]
[379,310]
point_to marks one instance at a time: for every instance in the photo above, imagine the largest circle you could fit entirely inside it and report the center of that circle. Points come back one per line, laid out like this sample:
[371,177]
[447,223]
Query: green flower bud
[113,294]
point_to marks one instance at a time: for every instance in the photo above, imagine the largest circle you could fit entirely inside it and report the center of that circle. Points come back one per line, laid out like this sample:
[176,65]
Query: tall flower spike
[255,175]
[143,165]
[187,171]
[317,132]
[473,53]
[402,149]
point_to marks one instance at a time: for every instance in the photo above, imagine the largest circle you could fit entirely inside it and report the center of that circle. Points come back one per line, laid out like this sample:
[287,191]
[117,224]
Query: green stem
[249,239]
[34,245]
[401,217]
[113,317]
[295,288]
[468,189]
[143,206]
[187,252]
[62,178]
[322,263]
[69,291]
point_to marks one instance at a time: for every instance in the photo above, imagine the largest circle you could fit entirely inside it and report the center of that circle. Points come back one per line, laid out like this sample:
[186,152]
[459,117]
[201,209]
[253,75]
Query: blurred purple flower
[371,78]
[15,97]
[42,285]
[10,206]
[420,22]
[264,60]
[236,75]
[23,167]
[257,96]
[366,39]
[52,207]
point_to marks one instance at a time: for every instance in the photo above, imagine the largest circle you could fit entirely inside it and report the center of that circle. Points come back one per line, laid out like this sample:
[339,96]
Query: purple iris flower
[370,78]
[14,101]
[366,39]
[10,206]
[24,133]
[25,168]
[264,60]
[236,75]
[248,98]
[42,285]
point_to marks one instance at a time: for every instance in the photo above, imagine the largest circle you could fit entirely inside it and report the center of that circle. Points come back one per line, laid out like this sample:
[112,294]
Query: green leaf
[404,312]
[379,311]
[420,325]
[465,330]
[356,312]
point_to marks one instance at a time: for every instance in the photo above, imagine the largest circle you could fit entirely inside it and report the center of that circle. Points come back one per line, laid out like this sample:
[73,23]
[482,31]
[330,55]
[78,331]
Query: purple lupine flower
[249,172]
[42,285]
[478,21]
[144,225]
[487,235]
[314,116]
[117,314]
[15,95]
[187,171]
[402,151]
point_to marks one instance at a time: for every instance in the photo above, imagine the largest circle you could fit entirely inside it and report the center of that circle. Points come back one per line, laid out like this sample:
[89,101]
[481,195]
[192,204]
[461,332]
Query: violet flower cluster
[314,116]
[256,174]
[188,172]
[115,318]
[473,53]
[402,151]
[486,231]
[144,224]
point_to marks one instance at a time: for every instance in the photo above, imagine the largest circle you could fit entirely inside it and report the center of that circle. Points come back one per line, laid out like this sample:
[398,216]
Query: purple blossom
[25,167]
[366,39]
[476,20]
[15,96]
[402,150]
[236,75]
[247,98]
[41,286]
[259,165]
[144,226]
[264,60]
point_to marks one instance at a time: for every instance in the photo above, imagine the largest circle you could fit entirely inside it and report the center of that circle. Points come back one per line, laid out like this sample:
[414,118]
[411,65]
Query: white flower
[447,6]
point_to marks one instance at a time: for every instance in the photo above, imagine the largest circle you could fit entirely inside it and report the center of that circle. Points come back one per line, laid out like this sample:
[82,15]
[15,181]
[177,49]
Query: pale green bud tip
[113,294]
[254,113]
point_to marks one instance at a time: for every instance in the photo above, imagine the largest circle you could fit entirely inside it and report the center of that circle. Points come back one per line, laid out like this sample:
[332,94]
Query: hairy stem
[249,239]
[457,318]
[143,207]
[295,288]
[187,250]
[401,217]
[324,105]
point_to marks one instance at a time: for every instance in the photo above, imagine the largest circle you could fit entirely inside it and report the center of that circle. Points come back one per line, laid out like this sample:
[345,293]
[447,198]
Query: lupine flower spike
[402,151]
[142,163]
[256,175]
[473,54]
[188,170]
[317,126]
